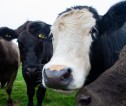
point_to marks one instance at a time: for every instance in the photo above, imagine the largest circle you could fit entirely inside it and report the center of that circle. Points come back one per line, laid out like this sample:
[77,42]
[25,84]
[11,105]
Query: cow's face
[31,50]
[31,45]
[70,65]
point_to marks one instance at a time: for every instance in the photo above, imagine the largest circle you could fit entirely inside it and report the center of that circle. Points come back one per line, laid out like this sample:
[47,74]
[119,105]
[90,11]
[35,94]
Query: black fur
[36,28]
[110,40]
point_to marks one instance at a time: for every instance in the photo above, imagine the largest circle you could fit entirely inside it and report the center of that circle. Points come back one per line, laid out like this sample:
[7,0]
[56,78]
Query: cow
[109,89]
[9,62]
[85,44]
[35,50]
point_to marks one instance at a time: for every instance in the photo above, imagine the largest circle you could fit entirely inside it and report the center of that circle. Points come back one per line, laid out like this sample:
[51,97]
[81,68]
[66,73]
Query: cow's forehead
[73,19]
[25,37]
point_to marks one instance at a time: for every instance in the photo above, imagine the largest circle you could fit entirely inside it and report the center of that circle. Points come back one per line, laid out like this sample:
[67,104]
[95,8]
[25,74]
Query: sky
[14,13]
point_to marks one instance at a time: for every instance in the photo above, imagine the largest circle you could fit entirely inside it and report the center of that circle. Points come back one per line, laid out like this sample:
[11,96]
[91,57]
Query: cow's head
[31,45]
[7,33]
[70,64]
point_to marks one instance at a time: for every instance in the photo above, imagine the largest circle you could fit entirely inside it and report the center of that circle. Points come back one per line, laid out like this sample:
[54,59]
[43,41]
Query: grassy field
[52,98]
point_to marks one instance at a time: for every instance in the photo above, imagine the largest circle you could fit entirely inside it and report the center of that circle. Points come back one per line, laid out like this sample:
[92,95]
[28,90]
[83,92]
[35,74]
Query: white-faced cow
[109,89]
[9,61]
[84,43]
[35,50]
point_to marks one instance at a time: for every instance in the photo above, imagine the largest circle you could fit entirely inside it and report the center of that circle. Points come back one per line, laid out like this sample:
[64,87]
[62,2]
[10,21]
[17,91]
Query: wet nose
[31,70]
[57,79]
[84,100]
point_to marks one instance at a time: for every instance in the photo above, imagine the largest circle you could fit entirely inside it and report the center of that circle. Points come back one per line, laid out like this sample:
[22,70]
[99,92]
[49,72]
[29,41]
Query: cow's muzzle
[58,79]
[32,71]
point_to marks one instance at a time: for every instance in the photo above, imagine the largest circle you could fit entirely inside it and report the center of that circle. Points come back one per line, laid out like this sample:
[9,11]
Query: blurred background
[14,13]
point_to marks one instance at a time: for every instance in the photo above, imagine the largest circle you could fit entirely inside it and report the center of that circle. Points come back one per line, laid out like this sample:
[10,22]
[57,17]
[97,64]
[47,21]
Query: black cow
[85,44]
[9,62]
[35,50]
[109,89]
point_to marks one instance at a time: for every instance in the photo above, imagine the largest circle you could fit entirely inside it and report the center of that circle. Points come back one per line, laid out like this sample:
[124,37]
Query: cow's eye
[94,32]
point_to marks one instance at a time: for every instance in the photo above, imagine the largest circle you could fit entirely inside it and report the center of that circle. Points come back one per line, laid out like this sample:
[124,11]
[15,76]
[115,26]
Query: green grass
[19,95]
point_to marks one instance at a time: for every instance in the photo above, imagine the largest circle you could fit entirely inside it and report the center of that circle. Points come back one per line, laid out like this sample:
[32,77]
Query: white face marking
[71,45]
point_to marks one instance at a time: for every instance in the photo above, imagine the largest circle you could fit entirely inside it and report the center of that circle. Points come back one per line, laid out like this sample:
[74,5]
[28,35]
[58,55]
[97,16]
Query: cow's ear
[7,33]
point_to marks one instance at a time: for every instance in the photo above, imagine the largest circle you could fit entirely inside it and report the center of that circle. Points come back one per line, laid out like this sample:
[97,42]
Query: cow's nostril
[66,75]
[84,100]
